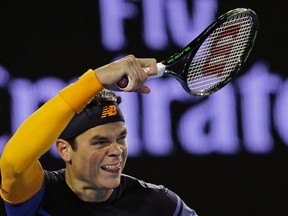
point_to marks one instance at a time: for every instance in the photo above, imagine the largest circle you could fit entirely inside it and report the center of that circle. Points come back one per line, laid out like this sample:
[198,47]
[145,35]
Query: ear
[64,149]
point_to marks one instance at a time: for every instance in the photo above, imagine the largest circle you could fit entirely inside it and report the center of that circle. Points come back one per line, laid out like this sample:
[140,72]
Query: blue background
[62,39]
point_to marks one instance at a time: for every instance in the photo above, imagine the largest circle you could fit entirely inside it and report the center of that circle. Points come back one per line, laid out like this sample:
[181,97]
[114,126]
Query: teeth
[110,166]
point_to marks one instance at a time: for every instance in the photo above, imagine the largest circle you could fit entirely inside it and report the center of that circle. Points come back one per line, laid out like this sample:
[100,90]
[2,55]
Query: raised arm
[22,174]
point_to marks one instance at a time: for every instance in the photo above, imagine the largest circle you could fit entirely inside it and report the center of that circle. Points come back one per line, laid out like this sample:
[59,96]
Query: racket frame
[189,51]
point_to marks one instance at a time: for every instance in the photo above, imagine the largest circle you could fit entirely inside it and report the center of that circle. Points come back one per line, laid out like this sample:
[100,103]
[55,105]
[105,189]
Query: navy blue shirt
[132,197]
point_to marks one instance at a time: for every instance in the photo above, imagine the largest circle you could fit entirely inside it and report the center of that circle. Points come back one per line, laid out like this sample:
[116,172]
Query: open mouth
[112,168]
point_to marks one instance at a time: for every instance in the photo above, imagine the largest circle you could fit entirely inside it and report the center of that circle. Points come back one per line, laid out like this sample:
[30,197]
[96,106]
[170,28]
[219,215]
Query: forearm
[41,129]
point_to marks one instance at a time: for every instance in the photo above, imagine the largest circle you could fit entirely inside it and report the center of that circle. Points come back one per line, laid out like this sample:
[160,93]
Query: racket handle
[124,81]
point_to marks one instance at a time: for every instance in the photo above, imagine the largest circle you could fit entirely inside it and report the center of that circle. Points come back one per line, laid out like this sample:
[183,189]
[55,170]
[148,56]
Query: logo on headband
[110,110]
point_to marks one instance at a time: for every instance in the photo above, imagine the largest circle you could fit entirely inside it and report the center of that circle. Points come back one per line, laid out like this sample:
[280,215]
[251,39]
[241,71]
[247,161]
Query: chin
[112,183]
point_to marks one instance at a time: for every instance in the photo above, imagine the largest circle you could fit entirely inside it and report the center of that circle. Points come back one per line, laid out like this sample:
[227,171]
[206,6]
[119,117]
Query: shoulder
[154,194]
[145,189]
[54,176]
[55,181]
[57,193]
[128,180]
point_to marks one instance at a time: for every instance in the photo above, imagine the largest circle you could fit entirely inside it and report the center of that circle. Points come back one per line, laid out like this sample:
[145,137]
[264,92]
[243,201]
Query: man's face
[100,156]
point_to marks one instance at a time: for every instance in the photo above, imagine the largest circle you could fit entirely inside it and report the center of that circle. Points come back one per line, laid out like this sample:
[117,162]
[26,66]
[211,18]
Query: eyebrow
[104,138]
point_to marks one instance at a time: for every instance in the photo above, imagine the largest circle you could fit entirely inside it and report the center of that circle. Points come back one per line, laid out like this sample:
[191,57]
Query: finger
[136,74]
[144,90]
[149,65]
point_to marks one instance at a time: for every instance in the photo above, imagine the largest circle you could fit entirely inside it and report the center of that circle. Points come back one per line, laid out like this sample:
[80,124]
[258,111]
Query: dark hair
[100,99]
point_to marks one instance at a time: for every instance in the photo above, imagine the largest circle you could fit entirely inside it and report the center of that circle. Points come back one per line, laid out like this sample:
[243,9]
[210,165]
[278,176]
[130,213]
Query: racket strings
[220,54]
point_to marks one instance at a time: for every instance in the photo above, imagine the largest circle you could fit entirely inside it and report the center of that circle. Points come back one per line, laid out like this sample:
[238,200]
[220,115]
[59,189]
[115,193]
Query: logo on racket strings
[219,51]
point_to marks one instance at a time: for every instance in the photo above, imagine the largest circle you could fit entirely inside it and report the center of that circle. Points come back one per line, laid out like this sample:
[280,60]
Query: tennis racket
[213,58]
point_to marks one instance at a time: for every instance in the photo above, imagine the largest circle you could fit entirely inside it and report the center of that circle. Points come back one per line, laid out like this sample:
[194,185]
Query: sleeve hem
[79,94]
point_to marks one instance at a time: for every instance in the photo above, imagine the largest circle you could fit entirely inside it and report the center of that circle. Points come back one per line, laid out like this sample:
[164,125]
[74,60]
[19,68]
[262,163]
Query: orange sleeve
[22,174]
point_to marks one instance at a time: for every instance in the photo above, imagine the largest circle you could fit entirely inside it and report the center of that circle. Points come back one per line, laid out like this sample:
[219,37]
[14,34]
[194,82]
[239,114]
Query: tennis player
[90,133]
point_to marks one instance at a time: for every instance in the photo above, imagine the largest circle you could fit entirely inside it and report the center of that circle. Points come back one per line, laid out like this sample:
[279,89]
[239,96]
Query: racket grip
[124,81]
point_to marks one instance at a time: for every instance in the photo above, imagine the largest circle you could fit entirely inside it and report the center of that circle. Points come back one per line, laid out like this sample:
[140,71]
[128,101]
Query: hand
[130,66]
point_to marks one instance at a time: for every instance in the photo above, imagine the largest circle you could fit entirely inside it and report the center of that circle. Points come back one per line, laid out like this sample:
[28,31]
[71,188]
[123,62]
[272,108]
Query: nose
[115,149]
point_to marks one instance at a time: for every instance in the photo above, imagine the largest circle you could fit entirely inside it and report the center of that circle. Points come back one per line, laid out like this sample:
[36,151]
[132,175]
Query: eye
[122,138]
[99,142]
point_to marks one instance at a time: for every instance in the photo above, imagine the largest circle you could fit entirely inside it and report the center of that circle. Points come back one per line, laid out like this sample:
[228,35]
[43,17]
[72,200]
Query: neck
[85,191]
